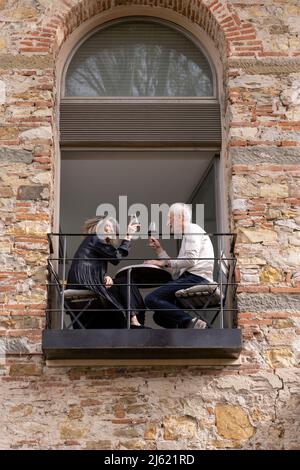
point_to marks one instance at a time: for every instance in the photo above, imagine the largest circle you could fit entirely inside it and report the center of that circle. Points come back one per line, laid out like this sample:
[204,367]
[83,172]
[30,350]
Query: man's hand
[154,243]
[156,262]
[108,282]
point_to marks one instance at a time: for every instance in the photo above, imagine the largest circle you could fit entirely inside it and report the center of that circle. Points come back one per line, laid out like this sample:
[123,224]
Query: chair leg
[209,324]
[198,315]
[76,317]
[215,316]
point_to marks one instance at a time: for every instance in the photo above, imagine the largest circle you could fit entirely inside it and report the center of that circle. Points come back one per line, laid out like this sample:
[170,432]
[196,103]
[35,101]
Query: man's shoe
[197,324]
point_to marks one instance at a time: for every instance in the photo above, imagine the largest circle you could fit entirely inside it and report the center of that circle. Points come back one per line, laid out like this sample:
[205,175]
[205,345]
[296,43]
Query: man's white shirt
[196,254]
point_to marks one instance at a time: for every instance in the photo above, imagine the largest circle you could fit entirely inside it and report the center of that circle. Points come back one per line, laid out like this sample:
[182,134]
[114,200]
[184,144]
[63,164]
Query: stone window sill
[137,346]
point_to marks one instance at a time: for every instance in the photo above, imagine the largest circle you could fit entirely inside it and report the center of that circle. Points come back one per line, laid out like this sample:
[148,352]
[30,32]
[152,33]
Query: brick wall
[254,405]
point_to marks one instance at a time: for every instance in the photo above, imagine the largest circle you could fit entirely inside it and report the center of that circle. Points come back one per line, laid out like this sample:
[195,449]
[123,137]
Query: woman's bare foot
[134,321]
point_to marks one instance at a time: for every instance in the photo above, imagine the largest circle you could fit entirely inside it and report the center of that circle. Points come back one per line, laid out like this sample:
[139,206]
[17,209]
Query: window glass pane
[139,58]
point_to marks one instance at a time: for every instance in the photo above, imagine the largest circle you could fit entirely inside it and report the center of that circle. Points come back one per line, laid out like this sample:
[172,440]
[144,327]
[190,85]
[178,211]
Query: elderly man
[194,265]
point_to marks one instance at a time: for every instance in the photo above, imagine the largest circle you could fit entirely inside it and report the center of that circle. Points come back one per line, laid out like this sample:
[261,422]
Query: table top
[146,275]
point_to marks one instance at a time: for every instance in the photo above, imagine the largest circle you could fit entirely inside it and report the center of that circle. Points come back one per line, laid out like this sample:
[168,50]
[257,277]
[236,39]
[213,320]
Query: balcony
[67,340]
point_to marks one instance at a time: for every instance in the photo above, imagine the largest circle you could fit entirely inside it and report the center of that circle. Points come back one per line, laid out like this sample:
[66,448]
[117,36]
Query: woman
[89,268]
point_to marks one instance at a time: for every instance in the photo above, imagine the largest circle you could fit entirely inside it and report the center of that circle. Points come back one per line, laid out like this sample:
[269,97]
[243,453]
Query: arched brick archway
[231,35]
[214,19]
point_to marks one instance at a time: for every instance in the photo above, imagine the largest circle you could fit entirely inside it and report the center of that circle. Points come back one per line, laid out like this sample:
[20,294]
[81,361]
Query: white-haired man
[194,265]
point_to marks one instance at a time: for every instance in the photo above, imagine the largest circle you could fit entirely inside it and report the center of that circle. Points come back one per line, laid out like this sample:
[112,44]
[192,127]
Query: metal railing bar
[139,259]
[212,234]
[143,309]
[128,298]
[63,283]
[141,284]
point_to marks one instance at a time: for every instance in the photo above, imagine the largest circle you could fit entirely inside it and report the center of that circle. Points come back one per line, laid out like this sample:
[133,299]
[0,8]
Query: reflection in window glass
[139,58]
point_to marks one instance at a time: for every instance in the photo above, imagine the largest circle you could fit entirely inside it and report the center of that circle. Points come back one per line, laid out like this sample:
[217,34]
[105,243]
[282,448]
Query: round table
[147,275]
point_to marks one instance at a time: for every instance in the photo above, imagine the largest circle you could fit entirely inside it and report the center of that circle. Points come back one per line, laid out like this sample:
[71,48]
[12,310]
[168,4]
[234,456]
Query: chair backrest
[55,276]
[223,274]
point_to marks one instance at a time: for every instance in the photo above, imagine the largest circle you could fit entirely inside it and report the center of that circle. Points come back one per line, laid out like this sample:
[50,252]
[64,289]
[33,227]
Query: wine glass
[133,219]
[152,229]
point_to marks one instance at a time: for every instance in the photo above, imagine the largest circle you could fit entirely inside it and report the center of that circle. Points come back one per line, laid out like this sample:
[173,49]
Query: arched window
[139,82]
[139,59]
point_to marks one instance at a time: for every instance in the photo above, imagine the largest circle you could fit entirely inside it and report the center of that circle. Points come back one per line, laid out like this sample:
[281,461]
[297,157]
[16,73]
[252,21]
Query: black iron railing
[214,303]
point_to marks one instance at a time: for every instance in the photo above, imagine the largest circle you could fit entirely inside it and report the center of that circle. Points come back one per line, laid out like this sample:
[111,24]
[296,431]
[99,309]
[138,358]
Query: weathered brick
[6,191]
[25,369]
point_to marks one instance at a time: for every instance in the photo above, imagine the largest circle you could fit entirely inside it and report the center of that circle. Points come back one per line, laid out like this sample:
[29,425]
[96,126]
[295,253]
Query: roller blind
[92,123]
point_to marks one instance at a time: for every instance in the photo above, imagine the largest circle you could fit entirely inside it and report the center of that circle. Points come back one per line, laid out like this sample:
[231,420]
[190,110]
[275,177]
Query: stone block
[233,423]
[15,155]
[21,410]
[259,235]
[269,302]
[280,357]
[98,445]
[274,190]
[151,431]
[27,193]
[21,369]
[6,191]
[178,427]
[9,133]
[38,133]
[69,431]
[271,275]
[23,13]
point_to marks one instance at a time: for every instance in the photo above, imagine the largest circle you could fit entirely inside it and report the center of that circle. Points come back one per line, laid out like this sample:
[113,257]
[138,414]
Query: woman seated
[89,270]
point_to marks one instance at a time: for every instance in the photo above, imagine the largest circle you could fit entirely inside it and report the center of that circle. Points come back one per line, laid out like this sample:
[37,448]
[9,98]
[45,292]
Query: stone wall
[254,405]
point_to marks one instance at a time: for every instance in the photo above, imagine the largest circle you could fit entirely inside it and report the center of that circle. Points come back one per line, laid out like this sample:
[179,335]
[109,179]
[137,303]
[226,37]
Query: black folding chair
[72,298]
[211,297]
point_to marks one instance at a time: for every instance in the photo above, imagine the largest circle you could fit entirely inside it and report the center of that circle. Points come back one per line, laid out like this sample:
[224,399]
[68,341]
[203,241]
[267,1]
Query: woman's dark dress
[89,266]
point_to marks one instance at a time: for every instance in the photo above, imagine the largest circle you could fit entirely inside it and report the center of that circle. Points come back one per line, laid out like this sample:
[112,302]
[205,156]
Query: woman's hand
[108,282]
[131,230]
